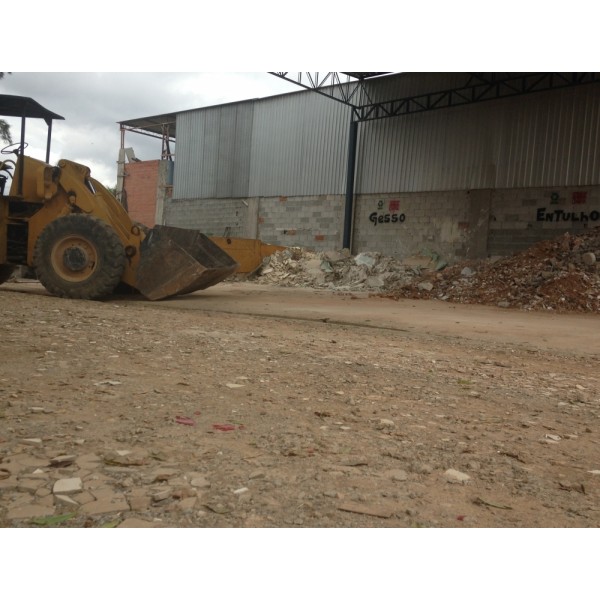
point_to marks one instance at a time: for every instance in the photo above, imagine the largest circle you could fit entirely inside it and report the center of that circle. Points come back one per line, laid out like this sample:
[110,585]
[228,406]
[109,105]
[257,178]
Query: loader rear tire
[79,256]
[5,272]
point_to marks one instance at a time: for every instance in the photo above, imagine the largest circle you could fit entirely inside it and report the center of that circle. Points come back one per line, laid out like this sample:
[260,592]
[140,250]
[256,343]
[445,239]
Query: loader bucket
[176,261]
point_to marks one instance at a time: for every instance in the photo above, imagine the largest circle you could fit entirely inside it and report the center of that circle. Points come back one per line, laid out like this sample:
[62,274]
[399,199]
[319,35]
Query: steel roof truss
[479,87]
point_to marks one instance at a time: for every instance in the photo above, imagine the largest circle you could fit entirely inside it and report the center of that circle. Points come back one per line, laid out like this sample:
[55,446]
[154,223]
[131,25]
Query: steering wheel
[13,148]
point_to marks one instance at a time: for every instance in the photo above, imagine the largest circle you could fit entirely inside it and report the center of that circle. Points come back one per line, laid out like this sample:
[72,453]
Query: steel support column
[351,169]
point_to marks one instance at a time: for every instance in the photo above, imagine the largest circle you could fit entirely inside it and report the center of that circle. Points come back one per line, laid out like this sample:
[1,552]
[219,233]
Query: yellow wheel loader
[79,238]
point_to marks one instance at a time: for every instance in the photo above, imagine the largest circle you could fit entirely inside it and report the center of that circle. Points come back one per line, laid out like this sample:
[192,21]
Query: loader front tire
[5,272]
[79,256]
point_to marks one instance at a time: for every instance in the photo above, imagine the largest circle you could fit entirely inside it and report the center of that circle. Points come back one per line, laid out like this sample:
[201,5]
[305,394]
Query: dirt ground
[253,406]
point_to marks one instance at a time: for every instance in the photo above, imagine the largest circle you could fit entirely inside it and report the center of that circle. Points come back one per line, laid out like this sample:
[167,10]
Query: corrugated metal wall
[213,152]
[296,144]
[544,139]
[299,146]
[291,145]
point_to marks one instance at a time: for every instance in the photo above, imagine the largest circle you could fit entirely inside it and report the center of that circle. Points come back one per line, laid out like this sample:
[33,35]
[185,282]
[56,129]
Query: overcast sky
[466,35]
[93,103]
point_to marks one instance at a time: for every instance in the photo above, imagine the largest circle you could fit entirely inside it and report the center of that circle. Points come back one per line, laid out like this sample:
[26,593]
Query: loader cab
[11,162]
[19,197]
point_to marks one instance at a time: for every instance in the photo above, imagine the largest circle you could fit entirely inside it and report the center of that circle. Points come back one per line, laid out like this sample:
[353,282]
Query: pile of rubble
[561,274]
[340,271]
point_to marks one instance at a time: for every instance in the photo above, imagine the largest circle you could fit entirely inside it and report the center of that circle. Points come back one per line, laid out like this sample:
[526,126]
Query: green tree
[4,126]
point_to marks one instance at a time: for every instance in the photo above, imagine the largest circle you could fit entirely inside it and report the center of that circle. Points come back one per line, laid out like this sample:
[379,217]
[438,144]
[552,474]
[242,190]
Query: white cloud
[93,104]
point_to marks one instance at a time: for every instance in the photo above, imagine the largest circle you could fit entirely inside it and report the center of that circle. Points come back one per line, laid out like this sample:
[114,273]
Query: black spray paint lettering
[375,218]
[558,215]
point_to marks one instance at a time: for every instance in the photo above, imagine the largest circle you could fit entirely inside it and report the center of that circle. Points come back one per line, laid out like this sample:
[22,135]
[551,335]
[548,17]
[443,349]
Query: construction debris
[562,274]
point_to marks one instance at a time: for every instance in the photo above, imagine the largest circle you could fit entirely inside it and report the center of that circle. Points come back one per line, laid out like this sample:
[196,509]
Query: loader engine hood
[176,261]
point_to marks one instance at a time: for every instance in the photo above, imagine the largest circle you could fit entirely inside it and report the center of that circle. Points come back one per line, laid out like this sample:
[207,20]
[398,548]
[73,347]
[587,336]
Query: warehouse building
[457,165]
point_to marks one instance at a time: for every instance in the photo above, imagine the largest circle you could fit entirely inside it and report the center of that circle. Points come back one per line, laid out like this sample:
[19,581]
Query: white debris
[454,476]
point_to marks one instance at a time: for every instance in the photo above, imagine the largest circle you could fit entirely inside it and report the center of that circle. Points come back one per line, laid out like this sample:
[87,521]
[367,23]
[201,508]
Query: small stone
[162,495]
[234,386]
[38,474]
[32,441]
[454,476]
[72,485]
[126,458]
[467,272]
[425,286]
[241,490]
[256,474]
[60,500]
[64,460]
[503,304]
[589,259]
[386,424]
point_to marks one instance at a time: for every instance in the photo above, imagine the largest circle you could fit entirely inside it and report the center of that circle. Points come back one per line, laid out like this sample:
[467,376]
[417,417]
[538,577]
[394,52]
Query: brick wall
[141,185]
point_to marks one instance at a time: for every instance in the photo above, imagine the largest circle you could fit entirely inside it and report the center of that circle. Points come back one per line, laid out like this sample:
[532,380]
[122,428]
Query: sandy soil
[252,406]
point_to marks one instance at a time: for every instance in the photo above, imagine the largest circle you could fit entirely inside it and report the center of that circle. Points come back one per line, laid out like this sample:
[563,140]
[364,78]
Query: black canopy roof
[21,106]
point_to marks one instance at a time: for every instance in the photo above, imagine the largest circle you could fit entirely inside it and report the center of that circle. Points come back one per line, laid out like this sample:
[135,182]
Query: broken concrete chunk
[73,485]
[126,458]
[64,460]
[365,259]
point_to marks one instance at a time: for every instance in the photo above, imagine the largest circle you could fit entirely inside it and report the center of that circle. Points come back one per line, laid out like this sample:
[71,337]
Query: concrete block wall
[403,225]
[230,216]
[521,217]
[454,225]
[314,222]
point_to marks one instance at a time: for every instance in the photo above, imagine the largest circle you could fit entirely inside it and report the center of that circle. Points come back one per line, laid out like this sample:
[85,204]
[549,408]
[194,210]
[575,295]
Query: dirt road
[252,406]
